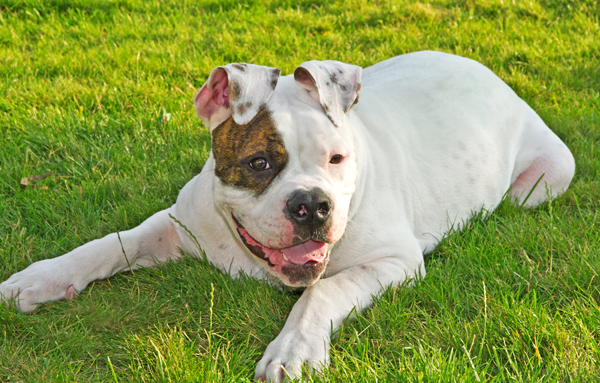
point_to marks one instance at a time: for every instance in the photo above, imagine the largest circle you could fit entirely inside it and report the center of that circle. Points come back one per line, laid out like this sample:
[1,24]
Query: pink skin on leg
[71,292]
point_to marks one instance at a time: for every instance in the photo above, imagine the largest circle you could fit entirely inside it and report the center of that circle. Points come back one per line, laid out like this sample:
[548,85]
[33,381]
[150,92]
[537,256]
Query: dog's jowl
[308,186]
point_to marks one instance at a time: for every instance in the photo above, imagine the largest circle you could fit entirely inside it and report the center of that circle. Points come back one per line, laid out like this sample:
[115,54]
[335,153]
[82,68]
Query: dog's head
[284,160]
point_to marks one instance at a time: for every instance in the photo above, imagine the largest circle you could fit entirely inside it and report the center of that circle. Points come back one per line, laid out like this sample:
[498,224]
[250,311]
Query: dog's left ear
[237,90]
[335,85]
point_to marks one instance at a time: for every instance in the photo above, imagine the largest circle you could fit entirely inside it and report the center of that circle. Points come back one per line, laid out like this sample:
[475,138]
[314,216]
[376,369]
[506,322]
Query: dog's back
[454,138]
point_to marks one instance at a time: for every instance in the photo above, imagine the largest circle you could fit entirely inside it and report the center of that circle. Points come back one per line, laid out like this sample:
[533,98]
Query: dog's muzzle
[300,264]
[310,212]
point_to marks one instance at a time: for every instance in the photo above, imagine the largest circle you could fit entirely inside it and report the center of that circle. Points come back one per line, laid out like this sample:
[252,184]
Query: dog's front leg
[304,340]
[155,240]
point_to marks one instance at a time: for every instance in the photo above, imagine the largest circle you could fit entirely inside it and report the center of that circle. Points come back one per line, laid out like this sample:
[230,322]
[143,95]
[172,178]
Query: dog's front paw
[290,354]
[42,281]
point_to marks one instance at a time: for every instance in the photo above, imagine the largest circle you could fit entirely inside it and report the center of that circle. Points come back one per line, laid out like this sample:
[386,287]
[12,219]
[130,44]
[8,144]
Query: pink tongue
[306,251]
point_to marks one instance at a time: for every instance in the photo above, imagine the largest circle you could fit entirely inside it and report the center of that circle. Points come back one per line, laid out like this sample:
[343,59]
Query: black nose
[309,208]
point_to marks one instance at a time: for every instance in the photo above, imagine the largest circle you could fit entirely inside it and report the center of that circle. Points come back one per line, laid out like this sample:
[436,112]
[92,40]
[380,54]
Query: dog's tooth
[284,257]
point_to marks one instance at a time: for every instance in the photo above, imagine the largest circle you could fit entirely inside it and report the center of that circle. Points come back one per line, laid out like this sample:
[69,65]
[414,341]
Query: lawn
[100,94]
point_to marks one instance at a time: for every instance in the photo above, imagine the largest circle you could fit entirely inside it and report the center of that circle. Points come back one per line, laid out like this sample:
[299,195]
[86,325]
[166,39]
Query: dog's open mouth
[301,264]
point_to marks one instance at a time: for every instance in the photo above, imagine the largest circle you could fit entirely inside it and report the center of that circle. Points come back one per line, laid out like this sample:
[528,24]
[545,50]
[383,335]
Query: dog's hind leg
[543,163]
[154,241]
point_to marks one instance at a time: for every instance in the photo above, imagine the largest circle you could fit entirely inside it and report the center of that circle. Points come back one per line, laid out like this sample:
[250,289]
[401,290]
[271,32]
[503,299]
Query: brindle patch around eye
[234,145]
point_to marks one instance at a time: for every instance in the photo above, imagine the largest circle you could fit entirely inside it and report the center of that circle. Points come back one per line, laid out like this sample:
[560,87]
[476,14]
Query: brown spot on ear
[235,90]
[241,108]
[234,146]
[240,67]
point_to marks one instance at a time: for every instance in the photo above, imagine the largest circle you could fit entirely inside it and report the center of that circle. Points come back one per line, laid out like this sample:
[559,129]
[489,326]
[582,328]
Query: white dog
[310,187]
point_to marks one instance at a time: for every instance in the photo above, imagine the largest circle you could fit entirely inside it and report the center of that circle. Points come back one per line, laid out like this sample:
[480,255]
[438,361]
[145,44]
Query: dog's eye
[336,159]
[260,164]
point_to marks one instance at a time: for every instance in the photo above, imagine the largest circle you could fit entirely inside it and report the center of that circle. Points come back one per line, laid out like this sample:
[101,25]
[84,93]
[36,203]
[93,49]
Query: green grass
[84,87]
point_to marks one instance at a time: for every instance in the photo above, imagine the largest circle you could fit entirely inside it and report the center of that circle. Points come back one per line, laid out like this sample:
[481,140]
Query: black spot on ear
[333,78]
[240,67]
[275,77]
[159,239]
[343,87]
[235,90]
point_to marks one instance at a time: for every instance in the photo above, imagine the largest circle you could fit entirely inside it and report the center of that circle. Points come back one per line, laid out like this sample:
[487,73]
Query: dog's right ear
[333,84]
[238,90]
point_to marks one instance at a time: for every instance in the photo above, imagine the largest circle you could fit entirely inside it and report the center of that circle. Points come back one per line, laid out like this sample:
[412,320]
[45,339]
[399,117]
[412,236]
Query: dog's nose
[309,208]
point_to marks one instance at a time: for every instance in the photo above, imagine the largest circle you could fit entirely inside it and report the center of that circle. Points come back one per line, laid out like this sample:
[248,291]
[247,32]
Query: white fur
[255,89]
[434,138]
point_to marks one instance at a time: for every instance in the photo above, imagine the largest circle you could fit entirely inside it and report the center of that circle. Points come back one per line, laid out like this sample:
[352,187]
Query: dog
[307,186]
